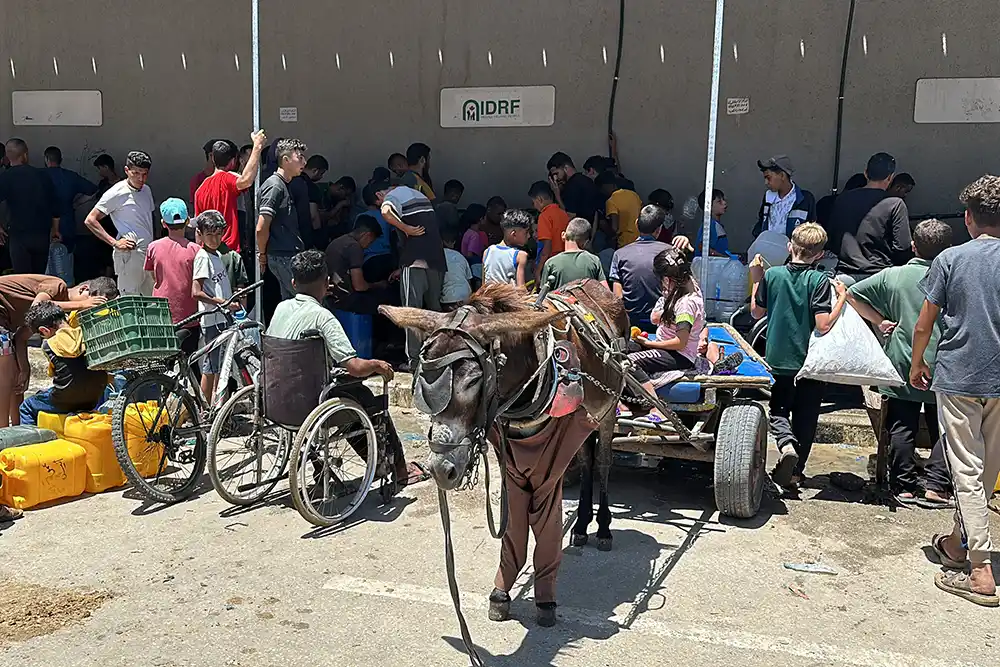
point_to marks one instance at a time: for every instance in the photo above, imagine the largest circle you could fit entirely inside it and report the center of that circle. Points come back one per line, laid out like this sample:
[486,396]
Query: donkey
[489,361]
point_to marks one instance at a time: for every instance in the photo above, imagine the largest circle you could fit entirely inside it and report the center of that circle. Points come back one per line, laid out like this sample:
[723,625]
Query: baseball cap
[778,162]
[174,211]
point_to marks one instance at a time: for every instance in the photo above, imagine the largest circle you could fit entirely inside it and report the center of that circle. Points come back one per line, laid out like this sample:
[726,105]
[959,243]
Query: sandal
[936,504]
[943,559]
[8,514]
[651,418]
[907,501]
[729,365]
[960,584]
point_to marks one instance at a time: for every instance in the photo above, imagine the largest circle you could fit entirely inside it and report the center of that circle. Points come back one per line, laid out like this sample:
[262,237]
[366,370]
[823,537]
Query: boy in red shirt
[552,222]
[221,190]
[171,261]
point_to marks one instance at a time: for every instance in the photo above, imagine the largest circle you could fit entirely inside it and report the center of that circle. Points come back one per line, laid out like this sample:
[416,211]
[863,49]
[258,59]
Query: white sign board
[513,106]
[957,101]
[288,114]
[737,106]
[82,108]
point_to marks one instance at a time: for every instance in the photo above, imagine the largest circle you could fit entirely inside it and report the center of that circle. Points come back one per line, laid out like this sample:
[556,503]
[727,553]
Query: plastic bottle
[731,291]
[253,333]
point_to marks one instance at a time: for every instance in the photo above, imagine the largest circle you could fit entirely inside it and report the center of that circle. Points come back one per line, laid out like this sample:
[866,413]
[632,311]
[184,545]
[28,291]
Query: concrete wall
[357,114]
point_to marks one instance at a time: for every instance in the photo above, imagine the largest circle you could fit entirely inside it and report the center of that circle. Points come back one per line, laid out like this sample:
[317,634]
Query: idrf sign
[510,106]
[476,110]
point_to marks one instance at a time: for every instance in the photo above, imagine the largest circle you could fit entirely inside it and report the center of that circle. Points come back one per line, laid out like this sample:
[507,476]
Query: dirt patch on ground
[29,610]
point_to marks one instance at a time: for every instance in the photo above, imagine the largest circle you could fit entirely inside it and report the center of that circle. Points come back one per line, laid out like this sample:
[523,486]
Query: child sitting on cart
[681,335]
[75,388]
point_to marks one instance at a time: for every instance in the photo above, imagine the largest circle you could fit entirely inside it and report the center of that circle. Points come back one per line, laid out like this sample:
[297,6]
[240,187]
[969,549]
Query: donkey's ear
[414,318]
[515,324]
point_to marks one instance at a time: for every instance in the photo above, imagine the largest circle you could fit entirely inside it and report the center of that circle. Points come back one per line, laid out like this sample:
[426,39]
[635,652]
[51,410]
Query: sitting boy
[304,312]
[506,262]
[797,298]
[75,388]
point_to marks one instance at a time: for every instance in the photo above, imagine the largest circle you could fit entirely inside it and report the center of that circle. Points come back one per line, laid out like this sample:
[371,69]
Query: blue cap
[174,211]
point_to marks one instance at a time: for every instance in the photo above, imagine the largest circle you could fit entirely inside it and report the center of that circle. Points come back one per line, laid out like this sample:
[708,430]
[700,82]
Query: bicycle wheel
[333,462]
[158,438]
[247,454]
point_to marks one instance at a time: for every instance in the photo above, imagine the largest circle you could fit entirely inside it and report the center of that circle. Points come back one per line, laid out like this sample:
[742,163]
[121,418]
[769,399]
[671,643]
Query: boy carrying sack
[797,299]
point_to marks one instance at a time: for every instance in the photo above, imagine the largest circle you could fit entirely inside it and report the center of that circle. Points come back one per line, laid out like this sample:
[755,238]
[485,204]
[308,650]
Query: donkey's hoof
[546,614]
[576,540]
[499,606]
[604,543]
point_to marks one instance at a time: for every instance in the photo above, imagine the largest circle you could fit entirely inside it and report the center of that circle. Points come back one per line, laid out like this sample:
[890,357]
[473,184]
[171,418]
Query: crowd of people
[335,247]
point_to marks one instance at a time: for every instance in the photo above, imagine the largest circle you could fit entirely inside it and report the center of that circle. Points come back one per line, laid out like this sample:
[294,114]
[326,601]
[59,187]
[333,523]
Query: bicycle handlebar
[220,308]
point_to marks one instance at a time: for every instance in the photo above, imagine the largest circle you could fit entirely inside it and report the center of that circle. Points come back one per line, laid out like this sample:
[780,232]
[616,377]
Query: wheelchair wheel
[247,454]
[334,460]
[758,341]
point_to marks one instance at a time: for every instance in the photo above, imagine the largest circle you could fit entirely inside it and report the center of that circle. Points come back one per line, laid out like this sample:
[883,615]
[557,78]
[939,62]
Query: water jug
[93,433]
[772,246]
[140,419]
[15,436]
[36,474]
[60,263]
[731,290]
[53,422]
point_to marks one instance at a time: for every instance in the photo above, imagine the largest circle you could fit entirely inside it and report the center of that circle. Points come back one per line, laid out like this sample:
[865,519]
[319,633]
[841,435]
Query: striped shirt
[414,209]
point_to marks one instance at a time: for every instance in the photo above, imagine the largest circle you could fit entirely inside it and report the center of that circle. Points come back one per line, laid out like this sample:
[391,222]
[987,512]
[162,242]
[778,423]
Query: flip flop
[8,514]
[959,583]
[416,474]
[929,504]
[912,501]
[652,419]
[942,555]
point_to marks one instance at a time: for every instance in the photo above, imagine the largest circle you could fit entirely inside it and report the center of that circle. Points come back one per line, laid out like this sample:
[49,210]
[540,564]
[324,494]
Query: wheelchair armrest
[310,333]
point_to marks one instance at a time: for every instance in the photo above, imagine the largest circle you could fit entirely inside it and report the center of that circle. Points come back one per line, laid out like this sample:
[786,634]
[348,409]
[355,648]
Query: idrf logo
[476,110]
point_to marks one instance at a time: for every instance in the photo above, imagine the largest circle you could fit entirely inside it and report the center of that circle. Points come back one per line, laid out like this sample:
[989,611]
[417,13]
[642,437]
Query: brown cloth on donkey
[535,469]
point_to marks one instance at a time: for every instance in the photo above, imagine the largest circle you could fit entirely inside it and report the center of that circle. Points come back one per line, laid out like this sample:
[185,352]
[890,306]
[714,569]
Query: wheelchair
[332,435]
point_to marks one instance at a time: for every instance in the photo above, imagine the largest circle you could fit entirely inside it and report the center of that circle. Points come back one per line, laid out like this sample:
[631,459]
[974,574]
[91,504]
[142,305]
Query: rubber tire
[137,481]
[758,336]
[740,460]
[323,412]
[213,471]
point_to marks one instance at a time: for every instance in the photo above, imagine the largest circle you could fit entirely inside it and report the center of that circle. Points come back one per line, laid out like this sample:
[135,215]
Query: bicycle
[157,418]
[339,448]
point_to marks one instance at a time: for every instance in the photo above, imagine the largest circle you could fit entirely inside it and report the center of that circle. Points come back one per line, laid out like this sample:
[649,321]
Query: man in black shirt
[577,195]
[34,211]
[316,168]
[869,230]
[345,257]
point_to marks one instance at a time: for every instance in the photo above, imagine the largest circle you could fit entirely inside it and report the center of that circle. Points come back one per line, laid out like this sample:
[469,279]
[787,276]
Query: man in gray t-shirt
[278,238]
[963,287]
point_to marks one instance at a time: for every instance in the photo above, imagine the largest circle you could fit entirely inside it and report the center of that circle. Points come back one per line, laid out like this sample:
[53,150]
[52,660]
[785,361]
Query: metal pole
[255,59]
[713,122]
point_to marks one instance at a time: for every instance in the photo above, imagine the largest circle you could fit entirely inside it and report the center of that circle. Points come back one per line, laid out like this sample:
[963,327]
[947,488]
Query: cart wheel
[758,341]
[740,458]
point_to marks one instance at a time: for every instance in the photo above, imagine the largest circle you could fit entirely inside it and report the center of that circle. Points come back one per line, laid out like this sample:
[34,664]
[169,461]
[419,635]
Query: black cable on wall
[840,99]
[618,67]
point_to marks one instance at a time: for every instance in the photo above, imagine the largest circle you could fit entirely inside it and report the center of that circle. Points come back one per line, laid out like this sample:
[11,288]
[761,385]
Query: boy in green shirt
[797,298]
[573,263]
[891,301]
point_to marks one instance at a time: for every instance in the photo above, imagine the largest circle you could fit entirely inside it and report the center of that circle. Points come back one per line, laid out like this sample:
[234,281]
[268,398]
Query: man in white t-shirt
[130,204]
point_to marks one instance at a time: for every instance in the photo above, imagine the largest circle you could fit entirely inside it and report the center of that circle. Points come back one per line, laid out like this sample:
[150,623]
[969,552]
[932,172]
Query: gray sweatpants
[419,288]
[970,428]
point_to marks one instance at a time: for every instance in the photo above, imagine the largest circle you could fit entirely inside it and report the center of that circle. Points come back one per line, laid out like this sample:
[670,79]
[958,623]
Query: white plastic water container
[726,287]
[772,246]
[732,289]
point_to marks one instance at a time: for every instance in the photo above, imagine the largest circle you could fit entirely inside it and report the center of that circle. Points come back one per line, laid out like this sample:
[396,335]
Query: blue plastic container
[359,331]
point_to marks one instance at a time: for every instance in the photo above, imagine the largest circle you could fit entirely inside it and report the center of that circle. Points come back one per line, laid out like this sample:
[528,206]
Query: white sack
[849,354]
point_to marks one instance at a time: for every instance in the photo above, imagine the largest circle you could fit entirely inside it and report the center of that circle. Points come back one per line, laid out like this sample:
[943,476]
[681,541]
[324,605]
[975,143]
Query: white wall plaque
[57,107]
[512,106]
[957,101]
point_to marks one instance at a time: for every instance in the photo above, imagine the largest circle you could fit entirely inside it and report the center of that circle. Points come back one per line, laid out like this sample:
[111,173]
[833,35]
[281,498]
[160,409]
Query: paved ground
[201,584]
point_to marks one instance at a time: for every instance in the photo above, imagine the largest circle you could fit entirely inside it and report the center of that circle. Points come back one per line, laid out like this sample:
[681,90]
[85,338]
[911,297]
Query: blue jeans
[281,268]
[42,402]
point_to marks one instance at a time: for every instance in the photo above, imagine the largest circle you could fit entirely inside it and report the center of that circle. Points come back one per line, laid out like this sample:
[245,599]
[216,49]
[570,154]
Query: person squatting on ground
[796,298]
[75,388]
[506,262]
[130,204]
[962,287]
[891,301]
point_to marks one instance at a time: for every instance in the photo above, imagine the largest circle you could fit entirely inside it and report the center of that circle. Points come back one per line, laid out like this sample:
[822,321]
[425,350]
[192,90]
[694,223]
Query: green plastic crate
[127,332]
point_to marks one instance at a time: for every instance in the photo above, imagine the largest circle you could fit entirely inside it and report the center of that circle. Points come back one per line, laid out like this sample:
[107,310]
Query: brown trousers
[535,469]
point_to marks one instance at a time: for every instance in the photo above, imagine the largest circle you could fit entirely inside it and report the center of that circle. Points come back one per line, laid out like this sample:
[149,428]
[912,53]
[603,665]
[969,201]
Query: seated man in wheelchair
[304,313]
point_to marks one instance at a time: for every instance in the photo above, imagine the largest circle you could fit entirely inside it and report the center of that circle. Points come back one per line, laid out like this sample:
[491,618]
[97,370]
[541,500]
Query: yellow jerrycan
[36,474]
[93,433]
